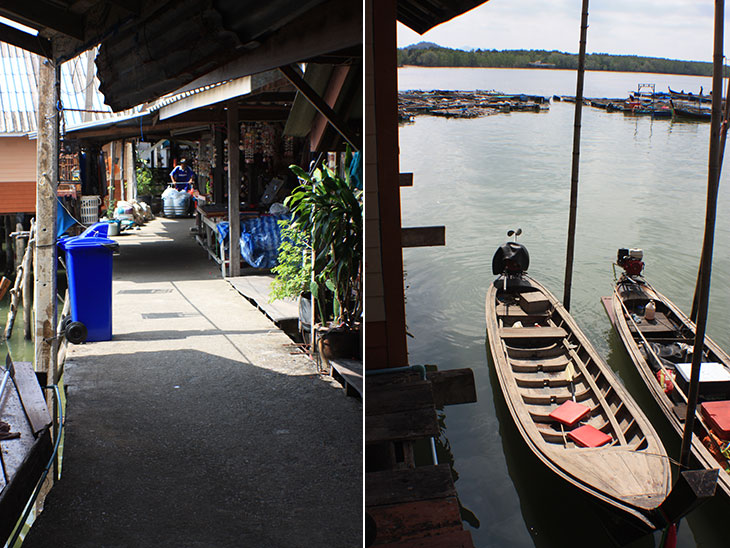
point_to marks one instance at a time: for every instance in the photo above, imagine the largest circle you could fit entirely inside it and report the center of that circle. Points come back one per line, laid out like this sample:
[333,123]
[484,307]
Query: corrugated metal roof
[150,48]
[19,92]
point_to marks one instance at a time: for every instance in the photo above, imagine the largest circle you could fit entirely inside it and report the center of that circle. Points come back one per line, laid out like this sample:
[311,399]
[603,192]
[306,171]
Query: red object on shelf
[570,412]
[717,414]
[589,436]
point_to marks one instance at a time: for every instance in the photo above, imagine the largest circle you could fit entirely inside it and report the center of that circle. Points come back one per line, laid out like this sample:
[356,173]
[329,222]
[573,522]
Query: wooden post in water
[576,156]
[713,183]
[27,292]
[234,189]
[723,140]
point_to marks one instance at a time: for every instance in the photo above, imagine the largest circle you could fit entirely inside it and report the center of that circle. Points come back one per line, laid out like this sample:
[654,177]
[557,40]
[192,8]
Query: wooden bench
[533,333]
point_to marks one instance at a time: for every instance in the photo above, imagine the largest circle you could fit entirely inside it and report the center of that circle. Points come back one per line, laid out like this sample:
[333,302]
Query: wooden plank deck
[410,506]
[23,457]
[349,373]
[256,289]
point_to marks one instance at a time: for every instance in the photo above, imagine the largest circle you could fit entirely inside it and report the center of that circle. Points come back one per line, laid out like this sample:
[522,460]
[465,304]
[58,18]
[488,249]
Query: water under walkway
[199,424]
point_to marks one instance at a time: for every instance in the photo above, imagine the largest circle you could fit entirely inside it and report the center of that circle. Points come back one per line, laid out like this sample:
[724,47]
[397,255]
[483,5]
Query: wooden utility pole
[129,171]
[713,183]
[234,189]
[576,157]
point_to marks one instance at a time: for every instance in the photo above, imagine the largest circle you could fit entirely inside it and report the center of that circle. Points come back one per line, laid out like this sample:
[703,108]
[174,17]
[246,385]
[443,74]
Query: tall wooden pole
[576,156]
[723,139]
[234,189]
[713,183]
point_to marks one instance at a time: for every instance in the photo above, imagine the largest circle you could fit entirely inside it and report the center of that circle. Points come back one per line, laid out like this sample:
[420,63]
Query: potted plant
[327,217]
[150,183]
[145,182]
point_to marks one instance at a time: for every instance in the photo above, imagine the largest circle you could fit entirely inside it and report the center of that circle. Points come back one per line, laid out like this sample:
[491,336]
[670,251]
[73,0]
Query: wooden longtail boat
[661,349]
[550,375]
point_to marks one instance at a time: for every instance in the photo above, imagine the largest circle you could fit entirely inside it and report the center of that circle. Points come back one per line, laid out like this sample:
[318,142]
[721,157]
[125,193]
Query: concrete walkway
[199,425]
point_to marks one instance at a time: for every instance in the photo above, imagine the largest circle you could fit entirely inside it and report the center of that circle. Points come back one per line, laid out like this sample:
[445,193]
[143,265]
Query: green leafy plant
[147,182]
[327,211]
[294,264]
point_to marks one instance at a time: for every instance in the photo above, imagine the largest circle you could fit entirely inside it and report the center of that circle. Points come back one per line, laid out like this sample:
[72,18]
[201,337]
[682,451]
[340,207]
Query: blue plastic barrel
[89,269]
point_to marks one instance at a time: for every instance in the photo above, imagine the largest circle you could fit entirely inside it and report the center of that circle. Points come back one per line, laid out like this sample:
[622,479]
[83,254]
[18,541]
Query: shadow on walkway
[196,425]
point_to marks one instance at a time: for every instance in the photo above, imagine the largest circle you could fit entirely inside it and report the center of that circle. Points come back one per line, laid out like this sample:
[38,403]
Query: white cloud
[675,29]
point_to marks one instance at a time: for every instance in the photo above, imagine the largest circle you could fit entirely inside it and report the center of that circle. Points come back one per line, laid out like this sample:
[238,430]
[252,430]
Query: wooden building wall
[385,338]
[17,175]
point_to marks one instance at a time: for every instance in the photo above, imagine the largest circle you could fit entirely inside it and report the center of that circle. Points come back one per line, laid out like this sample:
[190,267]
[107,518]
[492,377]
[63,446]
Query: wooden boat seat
[524,365]
[556,395]
[516,311]
[533,333]
[539,379]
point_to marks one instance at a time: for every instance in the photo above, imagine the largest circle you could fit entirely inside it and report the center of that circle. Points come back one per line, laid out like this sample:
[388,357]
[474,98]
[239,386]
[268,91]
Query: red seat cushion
[589,436]
[717,414]
[570,412]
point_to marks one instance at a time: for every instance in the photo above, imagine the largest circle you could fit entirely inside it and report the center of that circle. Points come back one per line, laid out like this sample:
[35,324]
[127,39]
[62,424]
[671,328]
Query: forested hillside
[431,55]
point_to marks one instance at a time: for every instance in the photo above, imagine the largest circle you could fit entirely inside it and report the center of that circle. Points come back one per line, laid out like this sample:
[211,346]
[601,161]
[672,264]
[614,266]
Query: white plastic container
[90,209]
[650,312]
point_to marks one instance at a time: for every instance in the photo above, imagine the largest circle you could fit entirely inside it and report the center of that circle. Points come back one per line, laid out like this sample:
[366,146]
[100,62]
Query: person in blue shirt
[182,176]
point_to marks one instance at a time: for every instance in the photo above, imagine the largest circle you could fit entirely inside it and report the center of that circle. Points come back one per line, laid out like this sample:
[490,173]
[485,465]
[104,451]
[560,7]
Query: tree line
[432,55]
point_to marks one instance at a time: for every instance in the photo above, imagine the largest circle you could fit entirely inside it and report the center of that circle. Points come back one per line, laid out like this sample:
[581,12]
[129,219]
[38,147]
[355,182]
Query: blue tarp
[260,239]
[64,221]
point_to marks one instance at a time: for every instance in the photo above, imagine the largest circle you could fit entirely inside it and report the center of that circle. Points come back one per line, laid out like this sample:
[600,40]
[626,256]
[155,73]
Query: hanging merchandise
[268,137]
[248,139]
[288,148]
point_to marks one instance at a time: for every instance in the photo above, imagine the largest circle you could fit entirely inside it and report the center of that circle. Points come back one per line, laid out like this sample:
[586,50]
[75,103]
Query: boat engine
[511,259]
[631,261]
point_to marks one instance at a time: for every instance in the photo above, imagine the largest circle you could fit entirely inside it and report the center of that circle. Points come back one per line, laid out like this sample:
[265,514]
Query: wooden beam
[234,188]
[405,179]
[392,398]
[34,44]
[453,386]
[398,486]
[331,94]
[322,107]
[423,236]
[414,424]
[45,14]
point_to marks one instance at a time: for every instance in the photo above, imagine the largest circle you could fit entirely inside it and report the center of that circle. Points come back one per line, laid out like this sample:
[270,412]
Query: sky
[673,29]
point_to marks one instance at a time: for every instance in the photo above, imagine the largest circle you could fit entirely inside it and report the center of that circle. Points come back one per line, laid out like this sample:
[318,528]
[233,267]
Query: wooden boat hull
[26,452]
[679,328]
[631,475]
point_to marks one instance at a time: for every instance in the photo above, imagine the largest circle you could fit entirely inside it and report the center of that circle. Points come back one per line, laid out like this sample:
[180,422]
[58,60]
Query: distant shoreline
[560,69]
[430,55]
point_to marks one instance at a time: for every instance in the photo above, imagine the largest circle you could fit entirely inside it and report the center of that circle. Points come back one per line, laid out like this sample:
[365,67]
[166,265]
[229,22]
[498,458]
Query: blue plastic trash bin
[100,229]
[89,270]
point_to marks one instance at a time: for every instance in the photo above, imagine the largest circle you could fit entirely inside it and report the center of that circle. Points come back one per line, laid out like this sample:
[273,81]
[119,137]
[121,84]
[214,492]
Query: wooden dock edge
[409,506]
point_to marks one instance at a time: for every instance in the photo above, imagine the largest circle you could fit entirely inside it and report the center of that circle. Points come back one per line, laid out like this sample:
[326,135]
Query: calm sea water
[642,184]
